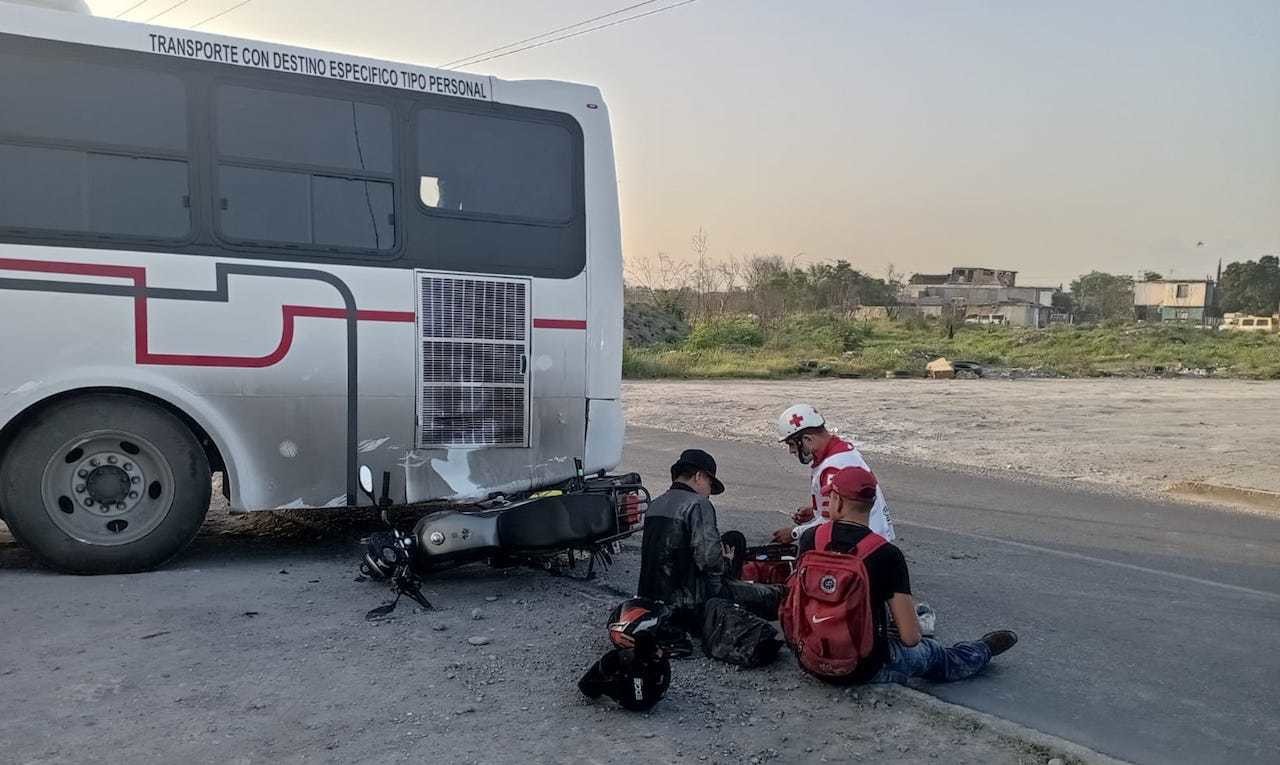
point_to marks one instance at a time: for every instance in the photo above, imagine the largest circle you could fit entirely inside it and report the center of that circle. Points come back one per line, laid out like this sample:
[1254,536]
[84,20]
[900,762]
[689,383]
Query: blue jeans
[931,660]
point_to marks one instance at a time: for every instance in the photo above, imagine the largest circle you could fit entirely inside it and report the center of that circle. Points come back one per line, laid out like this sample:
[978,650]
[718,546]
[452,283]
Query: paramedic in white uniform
[805,433]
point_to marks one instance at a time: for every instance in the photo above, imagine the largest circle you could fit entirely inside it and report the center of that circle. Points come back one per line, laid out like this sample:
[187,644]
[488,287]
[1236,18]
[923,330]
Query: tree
[1062,303]
[1101,296]
[665,279]
[1251,287]
[704,272]
[730,271]
[1151,276]
[767,279]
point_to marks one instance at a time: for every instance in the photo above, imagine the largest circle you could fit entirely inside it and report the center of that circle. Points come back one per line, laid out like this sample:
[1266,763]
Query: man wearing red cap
[895,658]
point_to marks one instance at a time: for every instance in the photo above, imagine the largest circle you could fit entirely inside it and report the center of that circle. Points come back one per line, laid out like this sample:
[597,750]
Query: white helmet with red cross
[796,418]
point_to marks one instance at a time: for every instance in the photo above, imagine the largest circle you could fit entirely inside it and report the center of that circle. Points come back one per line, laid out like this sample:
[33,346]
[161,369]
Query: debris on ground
[940,369]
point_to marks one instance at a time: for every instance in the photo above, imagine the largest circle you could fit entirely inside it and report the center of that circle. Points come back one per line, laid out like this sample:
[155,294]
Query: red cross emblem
[796,420]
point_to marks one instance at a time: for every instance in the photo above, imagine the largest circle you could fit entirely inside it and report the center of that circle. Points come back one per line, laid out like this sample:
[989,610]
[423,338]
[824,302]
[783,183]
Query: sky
[1052,138]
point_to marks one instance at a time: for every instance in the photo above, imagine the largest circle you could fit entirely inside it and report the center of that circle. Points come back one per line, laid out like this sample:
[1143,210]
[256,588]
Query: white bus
[280,264]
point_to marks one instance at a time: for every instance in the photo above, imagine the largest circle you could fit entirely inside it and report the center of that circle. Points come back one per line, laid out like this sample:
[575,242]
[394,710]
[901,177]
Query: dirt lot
[1141,435]
[255,649]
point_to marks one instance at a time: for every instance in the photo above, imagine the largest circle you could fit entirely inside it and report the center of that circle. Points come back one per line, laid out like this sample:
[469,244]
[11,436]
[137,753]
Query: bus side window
[92,150]
[491,165]
[299,170]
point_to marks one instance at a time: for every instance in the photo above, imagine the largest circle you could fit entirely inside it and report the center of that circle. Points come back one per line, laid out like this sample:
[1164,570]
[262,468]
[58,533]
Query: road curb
[1004,727]
[1255,497]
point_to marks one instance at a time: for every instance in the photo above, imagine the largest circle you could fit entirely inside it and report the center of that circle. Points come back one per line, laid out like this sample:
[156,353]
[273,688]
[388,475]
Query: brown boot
[1000,641]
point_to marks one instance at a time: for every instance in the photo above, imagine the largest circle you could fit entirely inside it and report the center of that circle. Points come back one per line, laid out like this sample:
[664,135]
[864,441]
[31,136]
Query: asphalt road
[1149,631]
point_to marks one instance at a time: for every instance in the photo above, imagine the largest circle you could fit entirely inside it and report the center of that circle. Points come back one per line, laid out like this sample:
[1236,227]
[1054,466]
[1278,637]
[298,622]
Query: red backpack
[826,616]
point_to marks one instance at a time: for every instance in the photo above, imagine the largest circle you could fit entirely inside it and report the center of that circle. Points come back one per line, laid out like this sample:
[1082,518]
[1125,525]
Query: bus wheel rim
[107,488]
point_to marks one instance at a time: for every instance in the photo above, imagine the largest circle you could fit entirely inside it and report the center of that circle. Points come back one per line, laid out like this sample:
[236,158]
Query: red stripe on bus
[288,314]
[393,316]
[140,321]
[559,324]
[361,314]
[137,274]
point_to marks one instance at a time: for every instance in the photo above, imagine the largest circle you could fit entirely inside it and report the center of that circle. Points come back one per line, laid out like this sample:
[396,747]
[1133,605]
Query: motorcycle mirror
[366,481]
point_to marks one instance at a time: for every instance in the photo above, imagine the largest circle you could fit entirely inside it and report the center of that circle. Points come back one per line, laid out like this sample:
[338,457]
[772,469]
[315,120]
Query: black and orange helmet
[636,615]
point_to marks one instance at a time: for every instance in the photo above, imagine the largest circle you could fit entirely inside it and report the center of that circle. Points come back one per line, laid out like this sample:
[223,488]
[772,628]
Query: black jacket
[681,561]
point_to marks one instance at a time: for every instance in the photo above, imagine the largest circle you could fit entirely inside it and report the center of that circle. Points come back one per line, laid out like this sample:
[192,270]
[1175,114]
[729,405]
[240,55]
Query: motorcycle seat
[559,521]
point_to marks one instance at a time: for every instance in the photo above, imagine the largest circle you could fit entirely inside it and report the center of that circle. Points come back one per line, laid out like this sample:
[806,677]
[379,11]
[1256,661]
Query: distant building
[1014,313]
[983,276]
[1181,300]
[918,285]
[981,296]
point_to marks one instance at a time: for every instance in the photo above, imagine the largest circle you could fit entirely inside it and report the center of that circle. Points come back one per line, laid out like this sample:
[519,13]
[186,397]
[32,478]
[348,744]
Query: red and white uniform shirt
[841,454]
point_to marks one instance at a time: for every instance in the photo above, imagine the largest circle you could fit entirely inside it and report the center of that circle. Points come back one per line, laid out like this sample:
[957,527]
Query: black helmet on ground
[636,677]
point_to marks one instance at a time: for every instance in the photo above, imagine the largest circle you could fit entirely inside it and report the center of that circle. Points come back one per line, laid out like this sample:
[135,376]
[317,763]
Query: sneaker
[1000,641]
[928,619]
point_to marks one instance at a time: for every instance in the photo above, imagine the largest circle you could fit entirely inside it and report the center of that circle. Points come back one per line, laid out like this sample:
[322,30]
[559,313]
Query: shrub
[650,325]
[726,332]
[813,345]
[827,332]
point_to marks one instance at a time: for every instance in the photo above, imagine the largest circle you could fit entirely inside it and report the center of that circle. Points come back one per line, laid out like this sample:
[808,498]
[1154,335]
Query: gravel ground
[253,647]
[1142,435]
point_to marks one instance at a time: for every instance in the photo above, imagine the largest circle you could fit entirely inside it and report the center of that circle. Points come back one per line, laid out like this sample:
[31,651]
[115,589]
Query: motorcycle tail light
[631,511]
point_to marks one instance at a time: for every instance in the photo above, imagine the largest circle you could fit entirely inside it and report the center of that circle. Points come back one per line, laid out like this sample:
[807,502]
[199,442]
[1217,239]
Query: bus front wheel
[105,484]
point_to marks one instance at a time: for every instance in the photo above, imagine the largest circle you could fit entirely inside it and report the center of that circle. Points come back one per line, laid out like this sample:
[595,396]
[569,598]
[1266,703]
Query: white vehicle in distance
[1238,322]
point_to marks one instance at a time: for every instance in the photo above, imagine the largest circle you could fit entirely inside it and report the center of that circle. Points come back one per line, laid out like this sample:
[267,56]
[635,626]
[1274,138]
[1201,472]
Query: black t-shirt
[887,570]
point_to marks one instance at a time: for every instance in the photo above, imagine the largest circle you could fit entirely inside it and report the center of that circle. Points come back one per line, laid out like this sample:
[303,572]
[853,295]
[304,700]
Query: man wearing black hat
[683,562]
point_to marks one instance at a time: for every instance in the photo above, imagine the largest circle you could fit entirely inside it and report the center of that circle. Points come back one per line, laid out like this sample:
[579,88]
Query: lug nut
[83,473]
[88,501]
[111,460]
[133,495]
[128,466]
[95,462]
[79,488]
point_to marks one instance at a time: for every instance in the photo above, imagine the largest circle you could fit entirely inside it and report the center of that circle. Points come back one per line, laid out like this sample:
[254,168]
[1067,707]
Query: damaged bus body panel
[294,263]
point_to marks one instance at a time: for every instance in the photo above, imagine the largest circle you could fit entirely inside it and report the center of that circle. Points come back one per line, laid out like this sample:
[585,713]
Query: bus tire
[105,484]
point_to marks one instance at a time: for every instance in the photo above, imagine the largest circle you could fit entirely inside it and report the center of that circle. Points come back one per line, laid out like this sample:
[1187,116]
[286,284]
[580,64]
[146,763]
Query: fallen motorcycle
[550,530]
